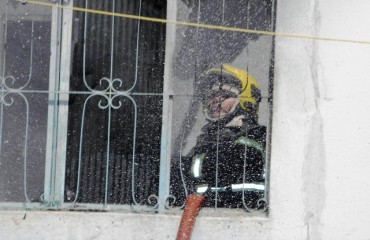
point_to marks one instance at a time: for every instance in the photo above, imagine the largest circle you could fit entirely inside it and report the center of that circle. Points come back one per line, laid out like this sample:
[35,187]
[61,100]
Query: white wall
[320,128]
[320,145]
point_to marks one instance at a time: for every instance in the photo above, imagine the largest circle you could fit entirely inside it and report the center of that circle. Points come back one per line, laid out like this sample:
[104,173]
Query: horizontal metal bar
[78,92]
[77,207]
[98,93]
[206,212]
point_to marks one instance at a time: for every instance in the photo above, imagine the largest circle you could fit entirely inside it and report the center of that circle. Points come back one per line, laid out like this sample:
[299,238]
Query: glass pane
[222,85]
[24,77]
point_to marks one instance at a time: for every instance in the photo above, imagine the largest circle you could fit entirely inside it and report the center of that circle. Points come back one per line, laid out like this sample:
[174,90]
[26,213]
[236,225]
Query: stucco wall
[320,130]
[320,145]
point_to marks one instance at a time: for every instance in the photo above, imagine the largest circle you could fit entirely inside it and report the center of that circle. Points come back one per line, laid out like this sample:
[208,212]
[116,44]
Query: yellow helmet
[249,88]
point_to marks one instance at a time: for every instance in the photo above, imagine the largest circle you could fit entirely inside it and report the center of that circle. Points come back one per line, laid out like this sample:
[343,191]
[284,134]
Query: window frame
[56,149]
[59,80]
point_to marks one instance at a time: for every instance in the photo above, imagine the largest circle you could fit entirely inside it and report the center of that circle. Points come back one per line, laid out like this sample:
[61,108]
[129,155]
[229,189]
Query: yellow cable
[190,24]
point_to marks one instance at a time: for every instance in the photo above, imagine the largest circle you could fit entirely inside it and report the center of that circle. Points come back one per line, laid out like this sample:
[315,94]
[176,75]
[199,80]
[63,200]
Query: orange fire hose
[191,211]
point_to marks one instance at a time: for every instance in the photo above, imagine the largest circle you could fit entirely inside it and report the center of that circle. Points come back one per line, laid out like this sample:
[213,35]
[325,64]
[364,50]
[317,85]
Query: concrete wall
[320,145]
[320,130]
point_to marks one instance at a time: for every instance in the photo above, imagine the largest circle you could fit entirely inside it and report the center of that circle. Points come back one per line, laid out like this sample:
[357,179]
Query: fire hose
[194,202]
[192,207]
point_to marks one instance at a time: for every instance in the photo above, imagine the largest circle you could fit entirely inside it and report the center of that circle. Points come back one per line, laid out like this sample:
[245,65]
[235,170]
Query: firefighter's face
[221,101]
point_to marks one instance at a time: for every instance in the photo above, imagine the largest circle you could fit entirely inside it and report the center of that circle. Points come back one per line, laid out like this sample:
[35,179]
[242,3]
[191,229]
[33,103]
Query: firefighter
[228,157]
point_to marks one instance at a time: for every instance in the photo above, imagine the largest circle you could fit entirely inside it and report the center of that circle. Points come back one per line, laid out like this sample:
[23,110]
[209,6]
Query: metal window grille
[118,122]
[200,49]
[24,67]
[105,121]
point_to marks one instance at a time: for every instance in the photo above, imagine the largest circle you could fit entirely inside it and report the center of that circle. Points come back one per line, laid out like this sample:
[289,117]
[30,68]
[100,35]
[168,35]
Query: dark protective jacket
[236,164]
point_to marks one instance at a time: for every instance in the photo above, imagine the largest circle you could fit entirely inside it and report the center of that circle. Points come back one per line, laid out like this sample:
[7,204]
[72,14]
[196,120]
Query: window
[126,112]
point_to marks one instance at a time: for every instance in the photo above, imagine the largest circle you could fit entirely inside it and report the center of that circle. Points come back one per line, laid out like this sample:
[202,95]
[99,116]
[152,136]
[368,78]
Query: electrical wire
[198,25]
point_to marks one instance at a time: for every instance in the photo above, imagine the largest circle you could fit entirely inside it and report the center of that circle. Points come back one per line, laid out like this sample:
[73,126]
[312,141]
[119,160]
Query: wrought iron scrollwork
[110,92]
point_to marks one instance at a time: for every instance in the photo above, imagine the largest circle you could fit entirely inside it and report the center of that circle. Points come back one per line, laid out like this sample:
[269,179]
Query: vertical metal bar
[58,105]
[27,110]
[62,121]
[165,155]
[109,107]
[270,108]
[3,21]
[2,70]
[84,106]
[137,50]
[80,149]
[247,125]
[53,105]
[108,149]
[4,40]
[133,183]
[25,149]
[218,125]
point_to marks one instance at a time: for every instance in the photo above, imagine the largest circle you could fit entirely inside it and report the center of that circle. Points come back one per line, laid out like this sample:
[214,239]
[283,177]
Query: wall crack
[313,171]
